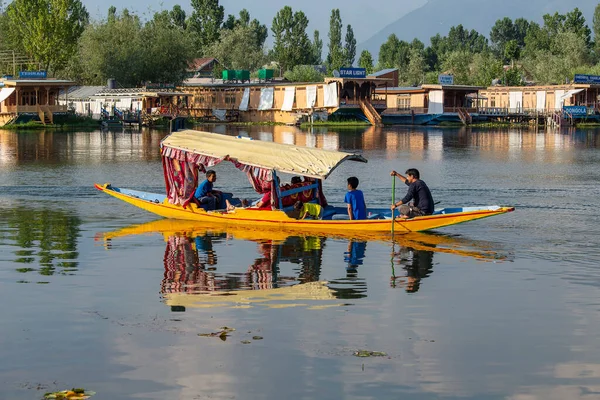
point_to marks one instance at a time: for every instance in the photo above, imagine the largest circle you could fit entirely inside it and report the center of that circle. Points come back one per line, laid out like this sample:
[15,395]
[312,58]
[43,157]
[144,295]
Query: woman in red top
[265,202]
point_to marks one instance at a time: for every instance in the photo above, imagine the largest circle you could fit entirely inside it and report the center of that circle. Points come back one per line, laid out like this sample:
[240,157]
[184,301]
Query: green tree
[502,32]
[366,61]
[521,27]
[568,52]
[260,31]
[46,30]
[485,67]
[317,48]
[178,16]
[596,25]
[291,45]
[511,51]
[167,49]
[388,52]
[111,49]
[303,73]
[206,20]
[575,22]
[350,47]
[238,49]
[415,70]
[121,47]
[458,64]
[336,58]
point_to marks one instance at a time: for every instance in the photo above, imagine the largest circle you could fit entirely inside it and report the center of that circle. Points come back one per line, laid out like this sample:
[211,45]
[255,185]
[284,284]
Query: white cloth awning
[266,98]
[311,96]
[571,93]
[245,100]
[5,93]
[288,99]
[330,95]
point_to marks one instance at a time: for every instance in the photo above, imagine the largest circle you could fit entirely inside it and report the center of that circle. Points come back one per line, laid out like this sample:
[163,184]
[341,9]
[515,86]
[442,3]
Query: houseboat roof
[401,89]
[82,92]
[452,87]
[382,72]
[381,81]
[36,82]
[291,159]
[566,86]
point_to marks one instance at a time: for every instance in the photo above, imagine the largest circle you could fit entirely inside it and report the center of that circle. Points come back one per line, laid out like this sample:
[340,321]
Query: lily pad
[368,353]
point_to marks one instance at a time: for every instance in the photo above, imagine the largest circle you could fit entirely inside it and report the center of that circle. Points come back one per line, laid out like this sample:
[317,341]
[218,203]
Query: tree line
[59,36]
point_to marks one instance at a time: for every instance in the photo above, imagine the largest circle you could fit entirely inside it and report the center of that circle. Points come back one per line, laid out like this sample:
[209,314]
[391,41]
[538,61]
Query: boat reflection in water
[191,278]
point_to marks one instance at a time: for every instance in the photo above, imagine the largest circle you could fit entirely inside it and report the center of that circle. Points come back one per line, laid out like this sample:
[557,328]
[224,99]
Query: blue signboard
[575,110]
[353,73]
[32,74]
[445,79]
[587,79]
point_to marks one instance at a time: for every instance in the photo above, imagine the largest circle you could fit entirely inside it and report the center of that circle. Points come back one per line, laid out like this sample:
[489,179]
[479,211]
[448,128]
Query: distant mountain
[438,16]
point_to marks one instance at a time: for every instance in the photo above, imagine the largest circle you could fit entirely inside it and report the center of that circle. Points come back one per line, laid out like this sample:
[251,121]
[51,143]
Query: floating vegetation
[73,394]
[222,334]
[245,342]
[257,338]
[367,353]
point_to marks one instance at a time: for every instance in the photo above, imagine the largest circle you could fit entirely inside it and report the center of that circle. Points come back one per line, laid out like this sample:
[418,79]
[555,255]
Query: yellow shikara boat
[186,153]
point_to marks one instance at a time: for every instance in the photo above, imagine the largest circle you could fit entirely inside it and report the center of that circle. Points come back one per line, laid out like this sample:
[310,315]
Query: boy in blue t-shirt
[357,208]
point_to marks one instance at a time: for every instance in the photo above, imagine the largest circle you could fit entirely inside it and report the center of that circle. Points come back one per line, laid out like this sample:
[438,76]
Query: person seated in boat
[308,210]
[289,200]
[205,196]
[230,206]
[418,192]
[308,194]
[357,208]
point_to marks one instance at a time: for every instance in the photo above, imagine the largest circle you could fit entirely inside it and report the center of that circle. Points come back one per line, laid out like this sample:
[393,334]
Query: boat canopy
[211,148]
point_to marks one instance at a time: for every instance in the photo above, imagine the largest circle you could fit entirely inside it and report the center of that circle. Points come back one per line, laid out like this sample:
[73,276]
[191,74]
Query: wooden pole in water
[393,203]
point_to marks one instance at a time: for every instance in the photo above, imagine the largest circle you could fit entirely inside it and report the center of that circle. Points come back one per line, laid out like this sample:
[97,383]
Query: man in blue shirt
[418,192]
[357,208]
[208,198]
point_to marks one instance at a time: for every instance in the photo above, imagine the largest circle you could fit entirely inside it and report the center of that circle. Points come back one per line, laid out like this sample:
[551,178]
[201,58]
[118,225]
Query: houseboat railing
[36,108]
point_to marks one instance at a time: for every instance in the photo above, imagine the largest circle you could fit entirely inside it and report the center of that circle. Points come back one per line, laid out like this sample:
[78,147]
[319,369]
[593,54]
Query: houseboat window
[403,102]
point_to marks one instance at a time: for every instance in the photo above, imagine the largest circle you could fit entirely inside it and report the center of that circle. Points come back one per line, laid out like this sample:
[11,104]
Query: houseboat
[143,105]
[31,97]
[351,93]
[429,104]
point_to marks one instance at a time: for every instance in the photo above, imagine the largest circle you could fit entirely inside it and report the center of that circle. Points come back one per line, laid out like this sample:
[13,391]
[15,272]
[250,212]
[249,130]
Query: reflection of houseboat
[31,99]
[287,102]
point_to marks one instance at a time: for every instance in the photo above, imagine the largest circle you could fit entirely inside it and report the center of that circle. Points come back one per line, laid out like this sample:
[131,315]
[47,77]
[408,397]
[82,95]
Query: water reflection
[194,266]
[190,264]
[45,240]
[21,148]
[413,265]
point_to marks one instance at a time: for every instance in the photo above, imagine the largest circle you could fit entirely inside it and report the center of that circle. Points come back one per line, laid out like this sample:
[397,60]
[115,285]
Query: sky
[366,18]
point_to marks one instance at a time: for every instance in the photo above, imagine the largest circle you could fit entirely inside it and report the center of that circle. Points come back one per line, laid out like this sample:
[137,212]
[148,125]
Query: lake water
[98,294]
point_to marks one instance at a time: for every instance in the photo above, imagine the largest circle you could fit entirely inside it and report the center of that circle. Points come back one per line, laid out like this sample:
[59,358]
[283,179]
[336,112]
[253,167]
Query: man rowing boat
[418,192]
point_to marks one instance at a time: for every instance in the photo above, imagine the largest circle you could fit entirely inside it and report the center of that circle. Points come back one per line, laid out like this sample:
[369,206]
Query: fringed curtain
[181,171]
